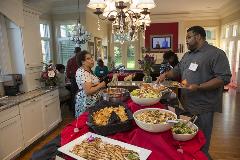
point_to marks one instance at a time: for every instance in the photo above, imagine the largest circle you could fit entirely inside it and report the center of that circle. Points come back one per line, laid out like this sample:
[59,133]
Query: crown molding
[229,8]
[179,16]
[27,9]
[67,9]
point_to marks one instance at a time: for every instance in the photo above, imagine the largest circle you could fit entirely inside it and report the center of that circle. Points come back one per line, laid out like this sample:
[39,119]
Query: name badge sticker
[193,66]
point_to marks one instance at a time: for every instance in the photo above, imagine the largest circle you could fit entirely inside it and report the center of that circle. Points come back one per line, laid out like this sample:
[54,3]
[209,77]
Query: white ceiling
[164,7]
[182,6]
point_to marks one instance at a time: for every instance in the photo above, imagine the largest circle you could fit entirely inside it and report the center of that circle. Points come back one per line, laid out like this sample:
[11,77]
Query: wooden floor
[225,144]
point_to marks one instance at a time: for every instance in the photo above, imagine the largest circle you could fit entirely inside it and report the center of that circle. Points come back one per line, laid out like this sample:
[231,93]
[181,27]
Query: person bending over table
[205,69]
[88,84]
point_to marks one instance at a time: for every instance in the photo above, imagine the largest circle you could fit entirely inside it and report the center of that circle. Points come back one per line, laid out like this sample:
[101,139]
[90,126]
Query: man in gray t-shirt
[206,70]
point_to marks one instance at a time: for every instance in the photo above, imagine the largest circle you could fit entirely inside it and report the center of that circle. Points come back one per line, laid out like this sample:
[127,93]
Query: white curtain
[5,58]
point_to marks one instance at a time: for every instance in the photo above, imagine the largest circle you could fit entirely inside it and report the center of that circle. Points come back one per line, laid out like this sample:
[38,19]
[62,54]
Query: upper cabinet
[25,49]
[31,39]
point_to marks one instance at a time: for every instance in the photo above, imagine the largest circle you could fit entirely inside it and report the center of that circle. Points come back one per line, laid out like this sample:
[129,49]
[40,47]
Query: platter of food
[94,146]
[107,118]
[115,94]
[154,119]
[183,84]
[154,87]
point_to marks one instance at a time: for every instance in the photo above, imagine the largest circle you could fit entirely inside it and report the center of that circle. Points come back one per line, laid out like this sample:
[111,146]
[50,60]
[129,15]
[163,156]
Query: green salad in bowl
[183,131]
[183,128]
[145,97]
[145,93]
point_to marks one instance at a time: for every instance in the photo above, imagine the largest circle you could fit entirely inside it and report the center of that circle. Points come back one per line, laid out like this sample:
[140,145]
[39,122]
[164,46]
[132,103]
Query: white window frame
[49,39]
[58,37]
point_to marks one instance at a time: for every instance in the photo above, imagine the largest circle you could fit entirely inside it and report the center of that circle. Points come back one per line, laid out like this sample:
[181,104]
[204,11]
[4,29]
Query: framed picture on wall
[161,43]
[98,48]
[91,48]
[105,52]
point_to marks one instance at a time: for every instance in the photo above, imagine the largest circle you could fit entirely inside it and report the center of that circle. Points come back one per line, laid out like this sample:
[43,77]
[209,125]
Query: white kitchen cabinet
[25,48]
[51,110]
[31,38]
[52,113]
[32,78]
[11,138]
[32,120]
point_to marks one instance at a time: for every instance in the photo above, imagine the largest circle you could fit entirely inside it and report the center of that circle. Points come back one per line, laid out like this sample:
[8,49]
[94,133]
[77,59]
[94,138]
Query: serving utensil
[194,118]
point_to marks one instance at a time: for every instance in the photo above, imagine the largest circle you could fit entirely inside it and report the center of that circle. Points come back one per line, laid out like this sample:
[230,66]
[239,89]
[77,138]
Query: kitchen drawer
[11,138]
[9,113]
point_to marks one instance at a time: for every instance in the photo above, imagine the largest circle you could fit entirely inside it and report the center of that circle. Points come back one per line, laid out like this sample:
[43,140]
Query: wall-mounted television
[161,42]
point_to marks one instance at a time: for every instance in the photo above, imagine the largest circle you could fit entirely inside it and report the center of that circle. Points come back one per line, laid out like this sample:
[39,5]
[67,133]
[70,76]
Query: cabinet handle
[8,124]
[27,64]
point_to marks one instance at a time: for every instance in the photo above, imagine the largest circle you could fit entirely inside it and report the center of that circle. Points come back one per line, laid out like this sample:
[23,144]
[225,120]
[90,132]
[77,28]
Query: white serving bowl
[185,137]
[153,127]
[145,101]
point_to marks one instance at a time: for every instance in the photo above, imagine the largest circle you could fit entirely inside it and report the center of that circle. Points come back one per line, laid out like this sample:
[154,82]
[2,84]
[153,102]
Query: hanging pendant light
[79,34]
[128,17]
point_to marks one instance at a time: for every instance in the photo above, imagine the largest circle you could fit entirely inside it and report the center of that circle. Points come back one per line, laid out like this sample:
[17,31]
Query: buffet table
[162,145]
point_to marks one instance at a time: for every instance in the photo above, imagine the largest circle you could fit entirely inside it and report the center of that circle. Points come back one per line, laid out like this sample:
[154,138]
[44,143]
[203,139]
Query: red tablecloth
[162,145]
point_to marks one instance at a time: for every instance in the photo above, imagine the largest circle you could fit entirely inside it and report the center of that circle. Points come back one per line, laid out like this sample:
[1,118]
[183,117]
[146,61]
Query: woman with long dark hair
[88,84]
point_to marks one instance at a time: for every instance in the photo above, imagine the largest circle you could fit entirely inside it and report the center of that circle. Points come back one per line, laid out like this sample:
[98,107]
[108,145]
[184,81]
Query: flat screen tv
[161,42]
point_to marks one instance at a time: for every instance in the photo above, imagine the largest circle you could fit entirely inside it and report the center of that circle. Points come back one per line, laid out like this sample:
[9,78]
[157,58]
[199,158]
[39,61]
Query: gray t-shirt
[211,63]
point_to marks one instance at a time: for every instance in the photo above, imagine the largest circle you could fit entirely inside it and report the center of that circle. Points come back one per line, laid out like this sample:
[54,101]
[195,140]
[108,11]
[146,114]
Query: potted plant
[146,65]
[49,75]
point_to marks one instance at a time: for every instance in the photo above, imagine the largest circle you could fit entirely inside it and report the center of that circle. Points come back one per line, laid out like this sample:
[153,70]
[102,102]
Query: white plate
[143,153]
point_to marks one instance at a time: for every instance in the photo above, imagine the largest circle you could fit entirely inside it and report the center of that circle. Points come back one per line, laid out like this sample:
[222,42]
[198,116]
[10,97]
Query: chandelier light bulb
[93,4]
[110,7]
[124,1]
[149,4]
[134,8]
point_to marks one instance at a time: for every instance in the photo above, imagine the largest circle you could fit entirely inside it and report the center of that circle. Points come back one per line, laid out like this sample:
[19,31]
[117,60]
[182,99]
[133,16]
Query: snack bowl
[115,94]
[114,124]
[145,97]
[153,127]
[145,101]
[183,130]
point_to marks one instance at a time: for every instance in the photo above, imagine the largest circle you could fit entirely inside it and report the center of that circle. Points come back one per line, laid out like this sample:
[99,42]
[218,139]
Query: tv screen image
[161,42]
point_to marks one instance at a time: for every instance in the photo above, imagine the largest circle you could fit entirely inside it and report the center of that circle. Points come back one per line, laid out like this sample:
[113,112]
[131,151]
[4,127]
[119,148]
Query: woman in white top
[88,84]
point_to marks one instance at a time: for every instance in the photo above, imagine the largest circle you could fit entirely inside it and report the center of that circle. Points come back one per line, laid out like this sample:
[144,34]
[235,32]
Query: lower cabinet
[32,120]
[11,138]
[52,113]
[22,124]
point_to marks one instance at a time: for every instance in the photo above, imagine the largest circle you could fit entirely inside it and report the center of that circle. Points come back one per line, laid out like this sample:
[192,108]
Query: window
[124,51]
[65,45]
[211,35]
[227,31]
[45,42]
[131,56]
[66,30]
[235,27]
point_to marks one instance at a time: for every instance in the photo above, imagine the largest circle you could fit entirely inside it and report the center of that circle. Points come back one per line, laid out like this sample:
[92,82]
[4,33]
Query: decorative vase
[147,79]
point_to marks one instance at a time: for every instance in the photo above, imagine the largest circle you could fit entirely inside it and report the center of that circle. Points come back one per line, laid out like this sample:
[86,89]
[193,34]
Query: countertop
[9,101]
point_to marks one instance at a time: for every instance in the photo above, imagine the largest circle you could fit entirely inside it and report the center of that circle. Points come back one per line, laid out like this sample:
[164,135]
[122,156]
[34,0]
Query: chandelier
[79,34]
[127,16]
